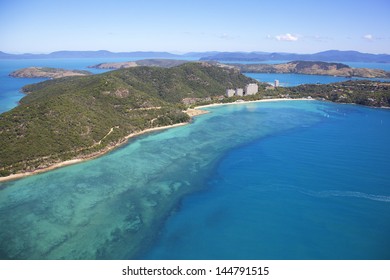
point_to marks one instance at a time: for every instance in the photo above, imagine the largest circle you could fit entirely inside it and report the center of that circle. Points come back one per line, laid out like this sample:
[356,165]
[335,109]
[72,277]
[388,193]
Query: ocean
[318,188]
[270,180]
[10,87]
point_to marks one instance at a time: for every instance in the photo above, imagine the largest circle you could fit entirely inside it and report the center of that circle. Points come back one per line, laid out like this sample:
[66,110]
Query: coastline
[254,101]
[191,112]
[87,157]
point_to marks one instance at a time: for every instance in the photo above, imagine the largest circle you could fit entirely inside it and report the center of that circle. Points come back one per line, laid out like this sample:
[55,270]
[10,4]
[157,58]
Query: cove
[165,193]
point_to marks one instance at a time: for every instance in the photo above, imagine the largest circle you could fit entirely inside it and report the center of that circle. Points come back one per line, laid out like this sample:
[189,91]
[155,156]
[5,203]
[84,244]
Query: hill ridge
[74,117]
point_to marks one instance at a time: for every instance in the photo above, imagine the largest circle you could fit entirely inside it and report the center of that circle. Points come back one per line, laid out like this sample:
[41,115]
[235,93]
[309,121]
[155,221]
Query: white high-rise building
[230,92]
[251,89]
[239,92]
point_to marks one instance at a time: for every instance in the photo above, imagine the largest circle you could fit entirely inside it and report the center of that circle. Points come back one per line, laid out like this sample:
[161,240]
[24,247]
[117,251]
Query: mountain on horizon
[328,56]
[89,54]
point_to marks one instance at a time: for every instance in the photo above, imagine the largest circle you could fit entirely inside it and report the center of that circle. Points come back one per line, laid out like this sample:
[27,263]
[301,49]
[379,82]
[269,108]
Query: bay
[276,180]
[319,190]
[10,87]
[197,192]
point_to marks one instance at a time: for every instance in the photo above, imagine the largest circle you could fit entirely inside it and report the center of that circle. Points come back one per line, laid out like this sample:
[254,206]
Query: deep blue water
[315,191]
[277,180]
[10,87]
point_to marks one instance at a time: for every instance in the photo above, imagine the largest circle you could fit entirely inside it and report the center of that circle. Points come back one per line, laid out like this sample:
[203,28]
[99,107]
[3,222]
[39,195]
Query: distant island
[329,56]
[82,117]
[165,63]
[77,118]
[90,54]
[313,68]
[47,72]
[294,67]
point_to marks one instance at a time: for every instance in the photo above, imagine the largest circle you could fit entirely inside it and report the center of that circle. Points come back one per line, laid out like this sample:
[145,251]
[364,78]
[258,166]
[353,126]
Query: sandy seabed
[191,112]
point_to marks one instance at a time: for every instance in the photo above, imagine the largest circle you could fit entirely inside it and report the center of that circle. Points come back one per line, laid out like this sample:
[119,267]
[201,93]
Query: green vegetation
[77,117]
[313,68]
[74,117]
[363,92]
[368,93]
[301,65]
[47,72]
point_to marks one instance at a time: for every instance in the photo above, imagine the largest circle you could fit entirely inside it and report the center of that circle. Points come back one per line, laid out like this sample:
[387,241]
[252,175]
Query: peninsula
[82,117]
[47,72]
[165,63]
[313,68]
[293,67]
[77,118]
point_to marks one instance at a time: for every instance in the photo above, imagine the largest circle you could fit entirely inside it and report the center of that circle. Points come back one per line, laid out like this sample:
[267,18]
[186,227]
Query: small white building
[251,89]
[239,92]
[276,83]
[230,92]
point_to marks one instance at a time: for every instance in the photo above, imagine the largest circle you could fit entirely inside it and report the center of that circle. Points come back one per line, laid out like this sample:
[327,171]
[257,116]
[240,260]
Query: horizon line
[181,53]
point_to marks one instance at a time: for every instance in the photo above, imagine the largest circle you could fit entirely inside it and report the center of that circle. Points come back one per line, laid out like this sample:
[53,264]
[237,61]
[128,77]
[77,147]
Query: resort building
[230,92]
[239,92]
[251,89]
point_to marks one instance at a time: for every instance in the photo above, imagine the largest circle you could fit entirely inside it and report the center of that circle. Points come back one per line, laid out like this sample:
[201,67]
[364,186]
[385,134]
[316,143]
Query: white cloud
[286,37]
[368,37]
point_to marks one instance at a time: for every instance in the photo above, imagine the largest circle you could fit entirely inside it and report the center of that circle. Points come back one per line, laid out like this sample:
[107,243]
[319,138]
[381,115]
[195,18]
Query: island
[313,68]
[83,117]
[329,56]
[293,67]
[165,63]
[47,72]
[63,121]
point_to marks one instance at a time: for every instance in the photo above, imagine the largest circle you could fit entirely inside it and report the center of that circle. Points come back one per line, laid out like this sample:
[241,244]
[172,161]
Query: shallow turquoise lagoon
[276,180]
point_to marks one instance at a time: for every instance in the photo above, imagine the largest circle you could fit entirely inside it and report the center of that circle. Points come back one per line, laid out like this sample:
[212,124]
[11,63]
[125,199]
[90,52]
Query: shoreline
[255,101]
[104,151]
[197,111]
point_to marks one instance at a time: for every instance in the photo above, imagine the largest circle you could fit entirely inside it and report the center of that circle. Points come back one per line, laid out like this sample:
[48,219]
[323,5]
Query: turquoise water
[383,66]
[10,87]
[277,180]
[285,180]
[317,190]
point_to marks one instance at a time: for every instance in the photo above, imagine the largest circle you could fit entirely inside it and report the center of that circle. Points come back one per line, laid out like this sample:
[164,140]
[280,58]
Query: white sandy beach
[254,101]
[88,157]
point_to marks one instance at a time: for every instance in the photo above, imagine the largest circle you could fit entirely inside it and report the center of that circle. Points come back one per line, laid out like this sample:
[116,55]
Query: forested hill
[313,68]
[47,72]
[77,116]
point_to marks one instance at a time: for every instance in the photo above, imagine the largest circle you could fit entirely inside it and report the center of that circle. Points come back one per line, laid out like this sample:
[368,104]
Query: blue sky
[42,26]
